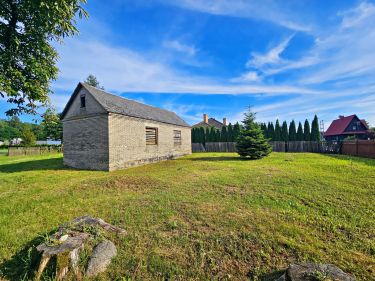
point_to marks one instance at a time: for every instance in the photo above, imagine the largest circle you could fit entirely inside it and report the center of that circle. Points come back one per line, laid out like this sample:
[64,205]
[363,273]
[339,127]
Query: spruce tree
[292,131]
[236,131]
[306,131]
[230,132]
[300,132]
[284,132]
[271,131]
[277,135]
[315,134]
[251,141]
[192,135]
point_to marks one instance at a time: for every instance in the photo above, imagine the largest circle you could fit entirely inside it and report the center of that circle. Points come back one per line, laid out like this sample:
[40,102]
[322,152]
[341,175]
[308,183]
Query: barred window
[151,136]
[177,136]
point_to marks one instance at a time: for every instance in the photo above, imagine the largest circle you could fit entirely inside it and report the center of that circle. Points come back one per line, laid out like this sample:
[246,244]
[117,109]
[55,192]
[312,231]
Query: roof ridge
[117,96]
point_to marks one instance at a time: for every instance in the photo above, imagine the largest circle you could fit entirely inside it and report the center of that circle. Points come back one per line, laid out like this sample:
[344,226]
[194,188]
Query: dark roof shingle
[212,122]
[116,104]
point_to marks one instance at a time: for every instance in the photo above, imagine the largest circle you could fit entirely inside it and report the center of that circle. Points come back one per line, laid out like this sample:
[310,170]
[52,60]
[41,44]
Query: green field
[3,151]
[205,216]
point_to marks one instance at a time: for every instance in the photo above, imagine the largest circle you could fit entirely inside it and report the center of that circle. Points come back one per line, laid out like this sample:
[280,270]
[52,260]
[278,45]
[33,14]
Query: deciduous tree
[27,57]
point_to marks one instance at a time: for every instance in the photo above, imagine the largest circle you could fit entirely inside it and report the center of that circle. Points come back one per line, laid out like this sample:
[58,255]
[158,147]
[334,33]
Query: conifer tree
[213,134]
[315,134]
[292,131]
[277,135]
[271,131]
[207,134]
[236,131]
[224,134]
[300,132]
[202,137]
[217,135]
[306,131]
[251,141]
[230,132]
[284,132]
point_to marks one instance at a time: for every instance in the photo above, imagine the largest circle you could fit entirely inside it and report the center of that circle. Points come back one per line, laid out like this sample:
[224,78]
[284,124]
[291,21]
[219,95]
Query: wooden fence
[32,150]
[277,146]
[363,148]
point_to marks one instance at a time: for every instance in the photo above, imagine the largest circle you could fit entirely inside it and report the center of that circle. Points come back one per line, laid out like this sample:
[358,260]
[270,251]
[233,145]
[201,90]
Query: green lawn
[3,151]
[200,217]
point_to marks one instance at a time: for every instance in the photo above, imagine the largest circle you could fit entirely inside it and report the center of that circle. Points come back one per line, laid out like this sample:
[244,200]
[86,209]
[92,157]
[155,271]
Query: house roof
[338,126]
[116,104]
[212,122]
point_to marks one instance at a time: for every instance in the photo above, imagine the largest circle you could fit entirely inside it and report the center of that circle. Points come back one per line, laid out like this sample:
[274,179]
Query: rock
[100,258]
[314,272]
[88,220]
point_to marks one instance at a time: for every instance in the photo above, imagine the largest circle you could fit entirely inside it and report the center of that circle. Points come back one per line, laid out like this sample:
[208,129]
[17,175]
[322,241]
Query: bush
[251,141]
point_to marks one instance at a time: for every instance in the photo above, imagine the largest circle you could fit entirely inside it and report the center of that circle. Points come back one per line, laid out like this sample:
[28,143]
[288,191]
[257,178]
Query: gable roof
[338,126]
[116,104]
[212,122]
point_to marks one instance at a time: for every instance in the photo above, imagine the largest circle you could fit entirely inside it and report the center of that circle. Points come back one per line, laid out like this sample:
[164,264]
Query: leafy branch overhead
[27,58]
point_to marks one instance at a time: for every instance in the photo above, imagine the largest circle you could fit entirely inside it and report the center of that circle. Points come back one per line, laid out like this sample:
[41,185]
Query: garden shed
[102,131]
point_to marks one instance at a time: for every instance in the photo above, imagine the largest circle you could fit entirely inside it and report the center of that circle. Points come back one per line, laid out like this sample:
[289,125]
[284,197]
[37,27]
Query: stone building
[102,131]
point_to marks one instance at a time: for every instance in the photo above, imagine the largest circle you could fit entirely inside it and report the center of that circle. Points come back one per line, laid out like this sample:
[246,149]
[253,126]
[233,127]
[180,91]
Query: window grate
[177,136]
[151,136]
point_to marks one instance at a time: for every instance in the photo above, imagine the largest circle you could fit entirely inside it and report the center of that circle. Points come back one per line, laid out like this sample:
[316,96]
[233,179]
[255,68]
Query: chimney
[341,116]
[205,118]
[224,121]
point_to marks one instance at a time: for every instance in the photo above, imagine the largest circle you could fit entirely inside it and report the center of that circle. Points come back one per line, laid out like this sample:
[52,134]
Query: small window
[177,137]
[354,128]
[151,136]
[83,101]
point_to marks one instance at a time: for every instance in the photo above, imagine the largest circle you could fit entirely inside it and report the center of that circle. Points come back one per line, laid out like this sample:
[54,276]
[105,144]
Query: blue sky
[287,59]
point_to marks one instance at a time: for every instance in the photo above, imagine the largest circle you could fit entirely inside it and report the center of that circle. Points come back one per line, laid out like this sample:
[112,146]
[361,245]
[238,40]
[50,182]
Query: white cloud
[271,57]
[124,70]
[250,76]
[180,47]
[267,10]
[355,16]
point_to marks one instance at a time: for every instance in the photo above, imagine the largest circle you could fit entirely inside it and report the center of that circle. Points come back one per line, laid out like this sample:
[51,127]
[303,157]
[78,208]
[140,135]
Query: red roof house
[343,127]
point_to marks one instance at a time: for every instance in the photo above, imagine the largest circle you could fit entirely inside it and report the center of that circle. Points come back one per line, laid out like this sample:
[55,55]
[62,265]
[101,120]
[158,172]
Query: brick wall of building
[127,142]
[86,142]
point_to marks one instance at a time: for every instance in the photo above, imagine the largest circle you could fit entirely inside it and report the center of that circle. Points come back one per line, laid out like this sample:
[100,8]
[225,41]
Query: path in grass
[202,216]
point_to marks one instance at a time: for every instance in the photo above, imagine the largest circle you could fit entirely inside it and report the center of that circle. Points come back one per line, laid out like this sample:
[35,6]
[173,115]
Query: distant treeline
[211,134]
[292,133]
[272,132]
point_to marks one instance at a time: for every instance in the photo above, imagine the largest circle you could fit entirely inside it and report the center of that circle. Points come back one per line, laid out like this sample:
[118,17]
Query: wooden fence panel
[278,146]
[364,148]
[197,147]
[32,150]
[220,147]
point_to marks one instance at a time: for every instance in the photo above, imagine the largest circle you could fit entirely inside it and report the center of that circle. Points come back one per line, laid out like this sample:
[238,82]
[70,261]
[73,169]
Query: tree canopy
[251,141]
[93,81]
[27,57]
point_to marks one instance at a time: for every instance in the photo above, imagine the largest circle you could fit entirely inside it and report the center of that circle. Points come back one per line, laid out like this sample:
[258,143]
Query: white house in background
[15,141]
[48,142]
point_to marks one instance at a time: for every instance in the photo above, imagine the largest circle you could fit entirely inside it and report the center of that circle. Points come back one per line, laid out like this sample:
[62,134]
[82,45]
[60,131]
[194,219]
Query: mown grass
[205,216]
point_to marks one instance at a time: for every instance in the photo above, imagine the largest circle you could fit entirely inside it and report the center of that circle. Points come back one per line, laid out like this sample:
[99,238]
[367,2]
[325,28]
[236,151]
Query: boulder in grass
[314,272]
[101,257]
